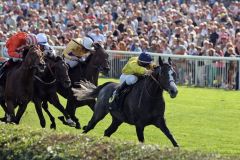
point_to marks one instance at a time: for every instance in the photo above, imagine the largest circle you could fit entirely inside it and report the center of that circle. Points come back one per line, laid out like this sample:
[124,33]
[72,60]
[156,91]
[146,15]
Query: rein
[145,88]
[50,69]
[155,80]
[47,83]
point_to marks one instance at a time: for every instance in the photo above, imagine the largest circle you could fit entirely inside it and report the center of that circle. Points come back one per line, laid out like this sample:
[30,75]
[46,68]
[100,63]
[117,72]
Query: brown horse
[19,83]
[89,70]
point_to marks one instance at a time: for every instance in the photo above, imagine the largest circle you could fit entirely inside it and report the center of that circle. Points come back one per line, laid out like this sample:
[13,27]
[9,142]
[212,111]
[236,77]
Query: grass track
[200,119]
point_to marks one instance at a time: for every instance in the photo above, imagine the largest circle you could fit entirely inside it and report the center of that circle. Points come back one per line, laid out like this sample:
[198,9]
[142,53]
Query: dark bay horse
[143,106]
[89,70]
[45,88]
[19,83]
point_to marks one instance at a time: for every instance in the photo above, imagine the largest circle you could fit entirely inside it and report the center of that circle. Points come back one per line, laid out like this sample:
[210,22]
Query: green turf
[200,119]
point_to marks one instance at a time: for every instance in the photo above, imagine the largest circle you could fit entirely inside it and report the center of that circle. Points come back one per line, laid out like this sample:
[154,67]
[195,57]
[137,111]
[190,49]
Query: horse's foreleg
[99,113]
[2,103]
[92,104]
[10,111]
[140,134]
[71,110]
[21,110]
[54,100]
[160,123]
[113,127]
[38,108]
[52,119]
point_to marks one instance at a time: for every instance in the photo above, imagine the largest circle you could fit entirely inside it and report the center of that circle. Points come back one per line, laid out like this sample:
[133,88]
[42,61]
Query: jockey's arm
[65,53]
[71,48]
[134,68]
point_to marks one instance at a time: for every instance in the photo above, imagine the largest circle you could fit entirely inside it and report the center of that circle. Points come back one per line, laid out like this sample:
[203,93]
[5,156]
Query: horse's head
[59,69]
[100,59]
[166,76]
[33,58]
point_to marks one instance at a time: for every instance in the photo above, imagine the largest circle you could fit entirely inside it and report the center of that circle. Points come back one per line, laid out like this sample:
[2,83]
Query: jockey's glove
[148,72]
[73,58]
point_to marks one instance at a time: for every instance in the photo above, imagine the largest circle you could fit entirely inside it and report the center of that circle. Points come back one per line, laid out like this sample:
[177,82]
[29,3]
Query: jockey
[15,46]
[44,46]
[76,49]
[136,66]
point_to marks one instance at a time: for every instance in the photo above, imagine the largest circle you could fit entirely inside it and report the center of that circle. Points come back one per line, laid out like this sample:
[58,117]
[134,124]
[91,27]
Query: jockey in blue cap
[42,41]
[136,66]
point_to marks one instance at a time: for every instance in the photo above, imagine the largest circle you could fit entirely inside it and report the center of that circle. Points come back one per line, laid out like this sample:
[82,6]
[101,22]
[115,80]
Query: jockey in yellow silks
[136,66]
[77,48]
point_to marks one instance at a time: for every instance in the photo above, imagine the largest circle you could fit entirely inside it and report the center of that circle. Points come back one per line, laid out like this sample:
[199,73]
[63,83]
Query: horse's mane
[25,51]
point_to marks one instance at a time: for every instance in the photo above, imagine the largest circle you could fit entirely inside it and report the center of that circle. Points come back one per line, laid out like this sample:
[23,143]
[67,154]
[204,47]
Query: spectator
[97,36]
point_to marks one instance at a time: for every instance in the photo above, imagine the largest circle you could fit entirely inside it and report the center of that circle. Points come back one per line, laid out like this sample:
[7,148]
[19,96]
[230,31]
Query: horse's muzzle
[173,91]
[41,67]
[67,84]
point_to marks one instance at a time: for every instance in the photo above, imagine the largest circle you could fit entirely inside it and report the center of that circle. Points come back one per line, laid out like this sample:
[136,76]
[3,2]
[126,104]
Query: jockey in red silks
[15,46]
[16,43]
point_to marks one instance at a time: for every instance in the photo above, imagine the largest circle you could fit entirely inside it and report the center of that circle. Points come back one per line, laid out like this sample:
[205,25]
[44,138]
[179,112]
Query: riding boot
[117,92]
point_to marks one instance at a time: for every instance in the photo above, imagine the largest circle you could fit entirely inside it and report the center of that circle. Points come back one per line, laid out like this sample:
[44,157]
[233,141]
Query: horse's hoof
[61,118]
[176,146]
[43,124]
[84,128]
[53,126]
[70,122]
[4,119]
[78,126]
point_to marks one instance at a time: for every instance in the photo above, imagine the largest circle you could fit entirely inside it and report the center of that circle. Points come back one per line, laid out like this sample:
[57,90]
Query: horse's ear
[96,46]
[170,61]
[160,61]
[58,58]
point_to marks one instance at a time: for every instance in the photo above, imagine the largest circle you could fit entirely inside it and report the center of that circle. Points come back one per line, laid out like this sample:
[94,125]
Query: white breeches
[71,63]
[130,79]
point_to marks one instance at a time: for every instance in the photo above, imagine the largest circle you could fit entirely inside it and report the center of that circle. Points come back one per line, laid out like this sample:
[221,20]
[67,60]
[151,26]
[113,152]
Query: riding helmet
[145,58]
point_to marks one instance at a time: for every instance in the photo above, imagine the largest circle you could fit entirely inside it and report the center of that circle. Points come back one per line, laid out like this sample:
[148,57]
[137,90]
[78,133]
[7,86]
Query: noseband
[47,83]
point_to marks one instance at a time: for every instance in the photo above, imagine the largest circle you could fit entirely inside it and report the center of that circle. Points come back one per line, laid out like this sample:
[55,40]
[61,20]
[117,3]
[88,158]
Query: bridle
[157,82]
[47,83]
[34,65]
[98,67]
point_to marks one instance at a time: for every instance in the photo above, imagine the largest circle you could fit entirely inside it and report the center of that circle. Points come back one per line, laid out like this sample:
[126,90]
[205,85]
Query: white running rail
[203,71]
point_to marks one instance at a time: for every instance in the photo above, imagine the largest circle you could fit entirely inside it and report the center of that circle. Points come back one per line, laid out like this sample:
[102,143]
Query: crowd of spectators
[183,27]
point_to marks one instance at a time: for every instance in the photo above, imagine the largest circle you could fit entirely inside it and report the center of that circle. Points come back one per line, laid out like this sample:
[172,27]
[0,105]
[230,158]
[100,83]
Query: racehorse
[143,105]
[45,88]
[19,83]
[88,70]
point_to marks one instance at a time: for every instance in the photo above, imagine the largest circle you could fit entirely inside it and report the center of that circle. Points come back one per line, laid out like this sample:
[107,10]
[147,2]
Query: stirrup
[111,99]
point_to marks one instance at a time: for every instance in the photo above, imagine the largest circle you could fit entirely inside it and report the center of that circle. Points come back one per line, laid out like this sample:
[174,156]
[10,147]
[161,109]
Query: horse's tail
[87,90]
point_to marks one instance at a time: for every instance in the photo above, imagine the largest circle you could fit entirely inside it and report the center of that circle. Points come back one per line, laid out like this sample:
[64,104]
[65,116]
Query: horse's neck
[25,74]
[91,73]
[151,88]
[47,75]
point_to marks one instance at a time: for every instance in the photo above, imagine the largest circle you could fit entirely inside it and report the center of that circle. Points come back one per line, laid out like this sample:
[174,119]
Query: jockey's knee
[72,64]
[131,79]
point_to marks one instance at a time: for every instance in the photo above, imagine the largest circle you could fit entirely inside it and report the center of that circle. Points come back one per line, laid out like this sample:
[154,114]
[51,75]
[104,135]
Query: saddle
[117,103]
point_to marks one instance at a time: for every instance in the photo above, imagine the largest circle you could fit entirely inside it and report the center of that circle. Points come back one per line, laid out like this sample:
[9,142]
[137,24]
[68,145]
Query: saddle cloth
[118,102]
